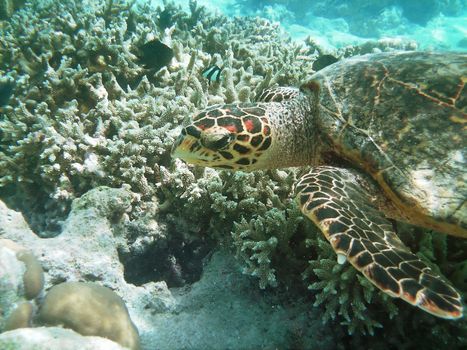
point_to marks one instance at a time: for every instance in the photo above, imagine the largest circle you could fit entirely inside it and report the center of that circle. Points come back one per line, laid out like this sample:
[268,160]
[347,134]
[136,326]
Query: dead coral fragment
[21,277]
[89,309]
[33,278]
[20,317]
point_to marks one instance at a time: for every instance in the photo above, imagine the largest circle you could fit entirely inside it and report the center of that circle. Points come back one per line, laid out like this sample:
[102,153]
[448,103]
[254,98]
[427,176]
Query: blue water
[431,24]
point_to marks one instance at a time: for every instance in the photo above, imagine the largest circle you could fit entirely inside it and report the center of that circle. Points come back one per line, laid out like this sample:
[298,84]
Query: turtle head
[235,136]
[276,132]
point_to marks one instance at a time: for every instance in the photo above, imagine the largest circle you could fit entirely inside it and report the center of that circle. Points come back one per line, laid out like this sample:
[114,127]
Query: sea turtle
[386,138]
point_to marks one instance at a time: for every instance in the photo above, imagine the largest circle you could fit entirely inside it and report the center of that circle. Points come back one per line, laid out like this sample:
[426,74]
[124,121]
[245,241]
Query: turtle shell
[402,118]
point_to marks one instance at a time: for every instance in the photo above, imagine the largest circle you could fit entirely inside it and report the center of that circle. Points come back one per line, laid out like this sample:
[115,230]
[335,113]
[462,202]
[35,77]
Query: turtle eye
[215,140]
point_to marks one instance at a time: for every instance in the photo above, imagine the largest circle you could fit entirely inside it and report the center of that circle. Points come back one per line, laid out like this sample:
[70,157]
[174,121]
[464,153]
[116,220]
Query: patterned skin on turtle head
[226,137]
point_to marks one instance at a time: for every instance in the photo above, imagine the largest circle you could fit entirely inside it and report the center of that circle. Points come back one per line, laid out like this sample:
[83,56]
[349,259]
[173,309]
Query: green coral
[346,296]
[264,237]
[341,294]
[266,243]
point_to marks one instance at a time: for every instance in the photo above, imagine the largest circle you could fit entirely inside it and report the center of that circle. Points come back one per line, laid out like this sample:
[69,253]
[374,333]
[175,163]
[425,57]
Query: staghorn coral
[85,113]
[352,301]
[345,297]
[344,294]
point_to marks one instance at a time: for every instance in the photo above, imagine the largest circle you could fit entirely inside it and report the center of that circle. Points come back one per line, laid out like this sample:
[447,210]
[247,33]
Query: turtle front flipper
[341,203]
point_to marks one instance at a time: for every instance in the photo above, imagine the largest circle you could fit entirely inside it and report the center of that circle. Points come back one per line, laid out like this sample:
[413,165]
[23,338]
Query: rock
[86,250]
[20,280]
[53,338]
[89,309]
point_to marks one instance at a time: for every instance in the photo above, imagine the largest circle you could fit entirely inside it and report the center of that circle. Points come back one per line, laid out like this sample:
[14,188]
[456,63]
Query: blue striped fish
[212,73]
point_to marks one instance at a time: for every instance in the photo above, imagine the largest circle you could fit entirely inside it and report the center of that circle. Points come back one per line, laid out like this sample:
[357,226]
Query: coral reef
[86,112]
[345,297]
[344,294]
[165,319]
[264,238]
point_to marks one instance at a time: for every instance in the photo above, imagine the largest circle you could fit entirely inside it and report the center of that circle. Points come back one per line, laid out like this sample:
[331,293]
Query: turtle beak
[181,147]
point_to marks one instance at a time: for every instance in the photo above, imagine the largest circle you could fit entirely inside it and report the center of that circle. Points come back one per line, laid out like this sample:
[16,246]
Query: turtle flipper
[339,202]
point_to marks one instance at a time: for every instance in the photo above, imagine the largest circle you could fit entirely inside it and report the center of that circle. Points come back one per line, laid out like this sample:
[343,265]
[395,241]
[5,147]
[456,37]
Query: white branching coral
[87,112]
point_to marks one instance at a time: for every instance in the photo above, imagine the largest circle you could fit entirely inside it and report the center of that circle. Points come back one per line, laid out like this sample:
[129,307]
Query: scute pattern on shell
[401,117]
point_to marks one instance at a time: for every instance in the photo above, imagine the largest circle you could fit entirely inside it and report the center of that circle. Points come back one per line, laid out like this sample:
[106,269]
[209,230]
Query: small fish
[6,90]
[212,73]
[154,54]
[323,61]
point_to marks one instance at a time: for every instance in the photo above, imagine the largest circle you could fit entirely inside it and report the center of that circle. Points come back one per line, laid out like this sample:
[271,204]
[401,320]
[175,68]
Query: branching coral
[344,294]
[86,113]
[264,238]
[351,300]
